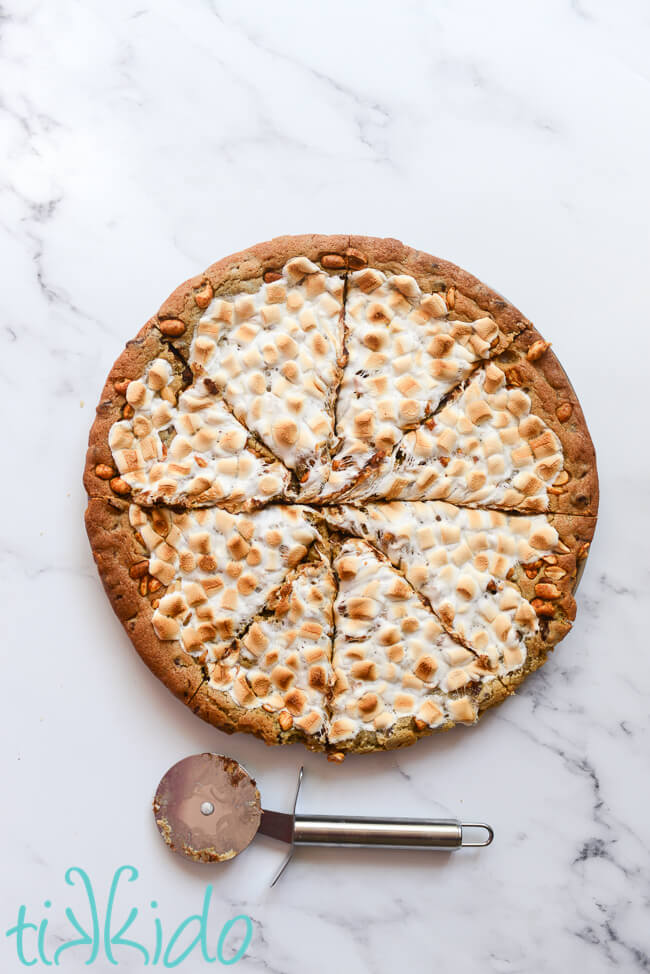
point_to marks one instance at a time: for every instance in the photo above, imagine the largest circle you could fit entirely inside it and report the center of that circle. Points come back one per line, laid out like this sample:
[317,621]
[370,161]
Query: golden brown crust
[402,734]
[554,400]
[220,710]
[119,557]
[131,364]
[549,585]
[168,335]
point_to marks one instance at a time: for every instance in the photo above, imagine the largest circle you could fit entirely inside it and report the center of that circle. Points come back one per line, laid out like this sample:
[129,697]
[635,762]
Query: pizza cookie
[340,492]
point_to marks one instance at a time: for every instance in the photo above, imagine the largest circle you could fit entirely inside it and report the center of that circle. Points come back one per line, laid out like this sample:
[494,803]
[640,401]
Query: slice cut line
[283,662]
[219,569]
[188,449]
[483,448]
[393,660]
[275,355]
[460,560]
[405,352]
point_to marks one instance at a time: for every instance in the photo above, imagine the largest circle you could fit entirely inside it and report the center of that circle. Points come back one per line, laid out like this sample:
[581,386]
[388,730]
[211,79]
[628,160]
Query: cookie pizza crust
[340,492]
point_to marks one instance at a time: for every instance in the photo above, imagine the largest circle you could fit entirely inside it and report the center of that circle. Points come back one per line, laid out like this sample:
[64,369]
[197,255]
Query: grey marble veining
[140,143]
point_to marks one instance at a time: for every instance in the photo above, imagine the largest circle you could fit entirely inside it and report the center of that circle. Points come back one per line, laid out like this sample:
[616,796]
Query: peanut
[547,590]
[537,349]
[203,297]
[271,276]
[128,412]
[139,569]
[332,261]
[563,411]
[542,608]
[121,386]
[336,757]
[561,479]
[554,573]
[583,550]
[285,719]
[119,486]
[104,472]
[154,585]
[450,297]
[172,327]
[142,587]
[534,564]
[513,378]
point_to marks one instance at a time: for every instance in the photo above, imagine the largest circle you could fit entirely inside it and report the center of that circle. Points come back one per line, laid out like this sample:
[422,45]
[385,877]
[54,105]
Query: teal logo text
[112,937]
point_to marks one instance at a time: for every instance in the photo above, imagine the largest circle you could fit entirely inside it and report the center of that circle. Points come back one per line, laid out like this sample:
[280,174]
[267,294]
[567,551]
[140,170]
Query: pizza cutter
[208,808]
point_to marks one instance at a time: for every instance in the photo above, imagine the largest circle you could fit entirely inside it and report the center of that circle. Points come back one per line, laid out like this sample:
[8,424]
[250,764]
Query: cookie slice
[123,565]
[409,343]
[187,449]
[531,368]
[281,667]
[219,569]
[275,356]
[399,674]
[483,448]
[470,567]
[302,390]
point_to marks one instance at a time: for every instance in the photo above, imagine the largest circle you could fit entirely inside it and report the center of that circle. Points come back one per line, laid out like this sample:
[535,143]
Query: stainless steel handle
[378,833]
[383,833]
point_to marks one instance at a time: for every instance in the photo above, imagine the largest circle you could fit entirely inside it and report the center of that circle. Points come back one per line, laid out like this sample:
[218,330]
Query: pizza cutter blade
[208,808]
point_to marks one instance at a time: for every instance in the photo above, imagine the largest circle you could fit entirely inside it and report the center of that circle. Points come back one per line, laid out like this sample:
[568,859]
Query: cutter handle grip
[384,833]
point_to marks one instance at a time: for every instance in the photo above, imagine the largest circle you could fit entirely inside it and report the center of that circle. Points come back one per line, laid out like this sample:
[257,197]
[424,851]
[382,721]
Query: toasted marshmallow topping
[392,657]
[219,569]
[283,661]
[459,560]
[484,447]
[191,451]
[274,356]
[270,364]
[418,609]
[404,355]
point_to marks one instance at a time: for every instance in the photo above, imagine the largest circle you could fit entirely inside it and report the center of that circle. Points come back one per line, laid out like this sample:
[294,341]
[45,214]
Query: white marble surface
[141,141]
